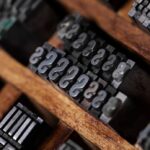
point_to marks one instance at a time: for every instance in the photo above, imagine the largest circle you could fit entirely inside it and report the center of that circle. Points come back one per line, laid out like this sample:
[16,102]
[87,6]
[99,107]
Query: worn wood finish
[8,96]
[116,26]
[48,99]
[58,103]
[59,136]
[55,41]
[123,12]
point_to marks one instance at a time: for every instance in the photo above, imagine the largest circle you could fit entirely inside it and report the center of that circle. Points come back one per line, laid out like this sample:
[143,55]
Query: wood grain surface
[129,35]
[54,100]
[8,96]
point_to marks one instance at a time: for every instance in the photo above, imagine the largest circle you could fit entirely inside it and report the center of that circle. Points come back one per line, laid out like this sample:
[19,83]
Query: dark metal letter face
[119,73]
[80,42]
[97,60]
[109,66]
[70,145]
[91,90]
[111,107]
[47,47]
[58,71]
[79,86]
[71,33]
[36,56]
[46,64]
[89,49]
[64,26]
[18,127]
[99,100]
[144,139]
[67,79]
[141,14]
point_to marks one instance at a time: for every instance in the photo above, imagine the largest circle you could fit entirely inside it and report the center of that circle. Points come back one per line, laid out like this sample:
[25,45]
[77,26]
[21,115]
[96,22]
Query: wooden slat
[58,103]
[55,41]
[59,136]
[115,25]
[123,12]
[8,96]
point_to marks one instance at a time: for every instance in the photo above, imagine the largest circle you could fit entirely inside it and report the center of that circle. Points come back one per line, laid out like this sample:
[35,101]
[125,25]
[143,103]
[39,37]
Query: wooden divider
[123,12]
[55,101]
[116,26]
[48,97]
[8,96]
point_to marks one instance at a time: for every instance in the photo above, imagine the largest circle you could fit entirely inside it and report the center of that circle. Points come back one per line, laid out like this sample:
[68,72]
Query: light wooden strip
[123,12]
[55,41]
[116,26]
[8,96]
[58,103]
